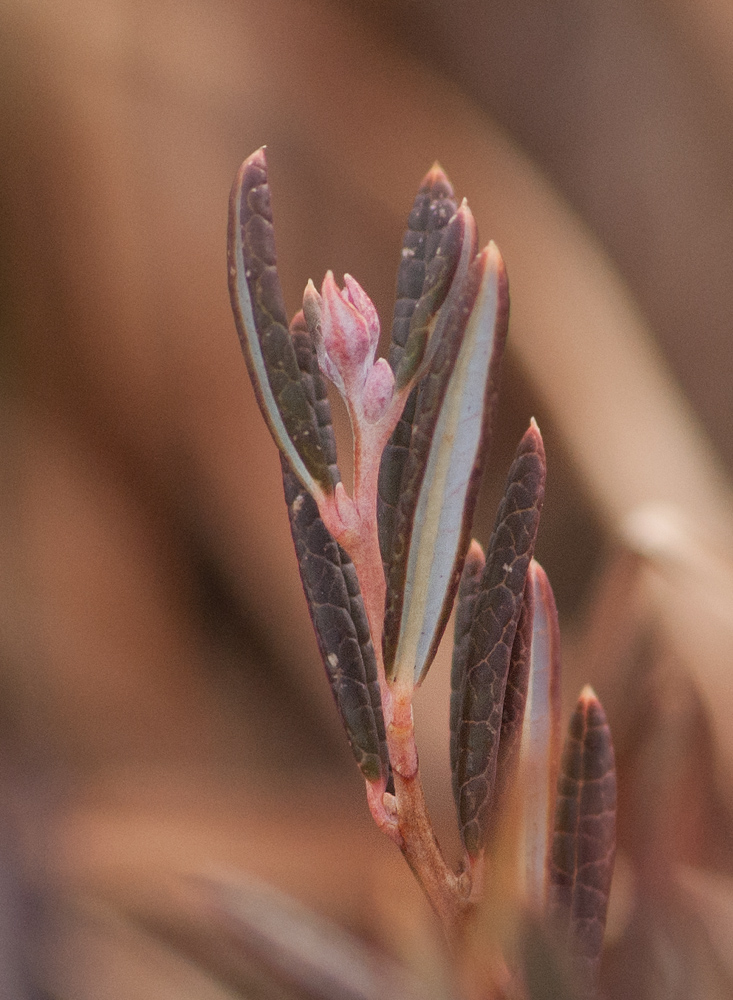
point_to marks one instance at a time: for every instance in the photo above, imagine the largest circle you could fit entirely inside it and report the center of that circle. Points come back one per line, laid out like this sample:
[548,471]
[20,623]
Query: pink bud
[346,332]
[364,305]
[378,390]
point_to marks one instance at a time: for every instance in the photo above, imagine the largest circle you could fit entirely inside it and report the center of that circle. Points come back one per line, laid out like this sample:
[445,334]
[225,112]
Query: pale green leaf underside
[439,513]
[539,739]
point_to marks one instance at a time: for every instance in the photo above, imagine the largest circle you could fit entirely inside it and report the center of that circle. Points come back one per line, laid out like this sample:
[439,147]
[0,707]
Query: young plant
[381,568]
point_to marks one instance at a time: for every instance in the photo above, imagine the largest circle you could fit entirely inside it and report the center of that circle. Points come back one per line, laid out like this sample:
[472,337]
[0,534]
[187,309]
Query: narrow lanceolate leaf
[584,843]
[465,603]
[368,656]
[259,312]
[513,712]
[444,278]
[455,405]
[541,739]
[432,209]
[516,686]
[339,619]
[317,534]
[491,640]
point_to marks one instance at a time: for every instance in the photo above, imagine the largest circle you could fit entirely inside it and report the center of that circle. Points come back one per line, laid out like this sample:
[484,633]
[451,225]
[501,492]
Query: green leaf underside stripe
[496,615]
[315,386]
[465,603]
[437,525]
[541,737]
[339,619]
[430,395]
[259,312]
[584,841]
[433,207]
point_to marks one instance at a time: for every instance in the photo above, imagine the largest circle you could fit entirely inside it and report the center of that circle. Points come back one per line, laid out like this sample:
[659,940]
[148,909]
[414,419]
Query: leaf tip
[436,181]
[475,555]
[495,253]
[256,160]
[465,215]
[532,440]
[587,696]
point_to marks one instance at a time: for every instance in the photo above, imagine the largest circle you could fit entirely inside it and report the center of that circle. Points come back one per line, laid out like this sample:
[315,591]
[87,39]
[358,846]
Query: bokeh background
[163,711]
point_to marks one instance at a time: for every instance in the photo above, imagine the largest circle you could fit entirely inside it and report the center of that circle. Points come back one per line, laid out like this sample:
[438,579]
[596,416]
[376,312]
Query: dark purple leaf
[515,702]
[465,604]
[584,844]
[432,209]
[491,640]
[337,611]
[332,588]
[259,313]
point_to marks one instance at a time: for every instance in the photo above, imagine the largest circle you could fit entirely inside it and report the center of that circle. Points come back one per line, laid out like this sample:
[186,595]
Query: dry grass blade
[316,957]
[491,641]
[264,944]
[584,844]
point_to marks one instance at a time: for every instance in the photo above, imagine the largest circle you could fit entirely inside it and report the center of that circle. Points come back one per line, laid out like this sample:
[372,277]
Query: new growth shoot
[381,568]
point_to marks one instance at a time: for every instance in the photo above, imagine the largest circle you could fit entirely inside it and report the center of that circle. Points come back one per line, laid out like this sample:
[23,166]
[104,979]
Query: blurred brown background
[163,708]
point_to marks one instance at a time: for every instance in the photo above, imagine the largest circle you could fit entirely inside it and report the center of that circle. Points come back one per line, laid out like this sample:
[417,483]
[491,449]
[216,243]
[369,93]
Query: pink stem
[405,817]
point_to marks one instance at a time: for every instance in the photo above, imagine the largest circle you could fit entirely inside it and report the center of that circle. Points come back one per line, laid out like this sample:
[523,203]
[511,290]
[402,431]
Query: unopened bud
[346,332]
[363,305]
[312,309]
[378,390]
